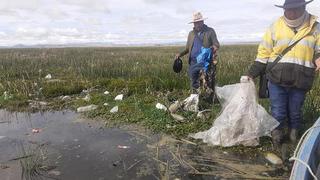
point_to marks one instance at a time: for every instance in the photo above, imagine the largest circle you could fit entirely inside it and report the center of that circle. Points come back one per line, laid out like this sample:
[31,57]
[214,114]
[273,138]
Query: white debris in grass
[48,76]
[161,107]
[87,98]
[65,98]
[87,108]
[119,97]
[114,109]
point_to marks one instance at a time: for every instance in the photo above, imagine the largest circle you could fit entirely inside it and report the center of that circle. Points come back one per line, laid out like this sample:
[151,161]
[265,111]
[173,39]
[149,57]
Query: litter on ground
[274,159]
[241,121]
[119,97]
[87,98]
[87,108]
[48,76]
[114,109]
[161,107]
[191,103]
[123,147]
[36,130]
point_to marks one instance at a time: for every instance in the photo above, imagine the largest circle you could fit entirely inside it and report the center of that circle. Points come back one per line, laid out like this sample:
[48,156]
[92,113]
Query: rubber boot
[277,138]
[293,136]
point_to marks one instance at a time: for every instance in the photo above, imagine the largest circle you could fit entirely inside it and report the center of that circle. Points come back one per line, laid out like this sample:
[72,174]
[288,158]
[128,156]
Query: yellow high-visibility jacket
[296,68]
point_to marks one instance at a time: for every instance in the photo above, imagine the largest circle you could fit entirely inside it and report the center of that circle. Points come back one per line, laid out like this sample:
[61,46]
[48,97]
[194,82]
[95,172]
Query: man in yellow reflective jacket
[293,75]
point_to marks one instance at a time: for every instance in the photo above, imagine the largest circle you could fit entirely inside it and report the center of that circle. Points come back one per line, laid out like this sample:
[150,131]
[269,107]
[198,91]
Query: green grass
[143,75]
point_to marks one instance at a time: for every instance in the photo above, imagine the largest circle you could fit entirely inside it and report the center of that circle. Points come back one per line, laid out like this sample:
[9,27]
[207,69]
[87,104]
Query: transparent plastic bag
[241,121]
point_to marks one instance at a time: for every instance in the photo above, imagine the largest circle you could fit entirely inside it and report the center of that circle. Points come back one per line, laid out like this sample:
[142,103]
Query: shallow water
[80,150]
[70,147]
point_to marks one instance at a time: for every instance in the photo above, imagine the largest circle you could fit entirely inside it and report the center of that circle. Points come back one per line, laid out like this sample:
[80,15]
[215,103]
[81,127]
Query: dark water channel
[64,145]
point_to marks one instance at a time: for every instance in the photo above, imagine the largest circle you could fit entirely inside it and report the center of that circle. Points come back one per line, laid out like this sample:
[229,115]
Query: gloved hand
[245,79]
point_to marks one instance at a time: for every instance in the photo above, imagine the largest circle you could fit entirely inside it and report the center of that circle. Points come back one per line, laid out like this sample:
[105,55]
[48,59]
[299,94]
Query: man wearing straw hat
[201,37]
[293,43]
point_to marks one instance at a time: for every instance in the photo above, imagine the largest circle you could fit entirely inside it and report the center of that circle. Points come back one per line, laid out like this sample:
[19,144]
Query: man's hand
[177,56]
[214,62]
[214,57]
[214,49]
[317,62]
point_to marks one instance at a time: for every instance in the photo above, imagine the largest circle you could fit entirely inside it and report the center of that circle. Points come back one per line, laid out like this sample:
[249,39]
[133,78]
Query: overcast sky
[132,21]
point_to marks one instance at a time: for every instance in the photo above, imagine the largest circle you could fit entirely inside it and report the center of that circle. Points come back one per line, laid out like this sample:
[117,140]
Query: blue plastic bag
[205,57]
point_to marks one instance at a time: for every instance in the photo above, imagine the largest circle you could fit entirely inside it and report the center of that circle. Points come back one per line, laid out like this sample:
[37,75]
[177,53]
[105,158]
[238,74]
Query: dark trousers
[286,103]
[203,80]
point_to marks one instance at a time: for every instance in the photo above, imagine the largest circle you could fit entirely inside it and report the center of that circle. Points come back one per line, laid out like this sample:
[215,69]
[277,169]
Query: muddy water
[63,145]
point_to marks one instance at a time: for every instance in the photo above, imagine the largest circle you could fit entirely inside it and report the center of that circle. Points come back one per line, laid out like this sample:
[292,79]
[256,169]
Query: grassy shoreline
[143,74]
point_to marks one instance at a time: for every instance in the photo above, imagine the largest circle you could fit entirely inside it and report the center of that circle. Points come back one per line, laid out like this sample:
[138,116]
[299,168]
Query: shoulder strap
[284,52]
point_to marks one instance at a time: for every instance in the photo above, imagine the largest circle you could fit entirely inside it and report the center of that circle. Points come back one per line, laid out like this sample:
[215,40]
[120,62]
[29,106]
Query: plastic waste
[178,117]
[85,91]
[191,103]
[123,147]
[87,108]
[66,98]
[106,93]
[106,104]
[48,76]
[54,173]
[37,104]
[205,57]
[241,121]
[36,130]
[119,97]
[87,98]
[161,107]
[114,109]
[6,95]
[204,114]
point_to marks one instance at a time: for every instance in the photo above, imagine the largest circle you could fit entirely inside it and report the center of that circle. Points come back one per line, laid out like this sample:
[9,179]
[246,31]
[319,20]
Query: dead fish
[274,159]
[178,117]
[204,114]
[175,106]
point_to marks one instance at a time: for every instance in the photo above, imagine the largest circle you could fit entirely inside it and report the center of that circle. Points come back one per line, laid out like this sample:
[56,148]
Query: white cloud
[88,5]
[56,14]
[32,32]
[18,4]
[132,21]
[3,34]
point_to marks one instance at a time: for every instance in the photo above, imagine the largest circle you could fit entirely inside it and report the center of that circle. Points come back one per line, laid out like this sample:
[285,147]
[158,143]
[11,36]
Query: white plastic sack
[241,121]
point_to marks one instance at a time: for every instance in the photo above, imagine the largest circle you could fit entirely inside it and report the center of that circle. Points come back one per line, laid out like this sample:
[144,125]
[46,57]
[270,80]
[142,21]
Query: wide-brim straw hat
[196,17]
[288,4]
